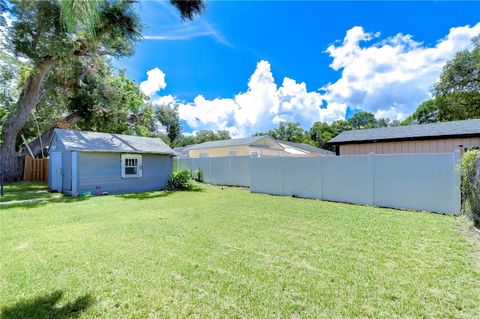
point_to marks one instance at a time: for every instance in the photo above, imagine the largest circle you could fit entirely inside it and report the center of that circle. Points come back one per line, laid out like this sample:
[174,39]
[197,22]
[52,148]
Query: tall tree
[426,112]
[362,120]
[457,93]
[322,132]
[168,116]
[40,34]
[288,131]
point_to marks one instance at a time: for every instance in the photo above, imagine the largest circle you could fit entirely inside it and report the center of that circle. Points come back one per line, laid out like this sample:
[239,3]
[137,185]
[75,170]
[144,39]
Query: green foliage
[457,93]
[470,167]
[288,131]
[322,132]
[80,16]
[426,112]
[198,175]
[168,116]
[362,120]
[188,9]
[180,181]
[210,135]
[201,136]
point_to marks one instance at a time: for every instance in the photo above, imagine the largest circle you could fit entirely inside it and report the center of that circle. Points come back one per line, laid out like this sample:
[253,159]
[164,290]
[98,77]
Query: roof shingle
[227,143]
[466,127]
[74,140]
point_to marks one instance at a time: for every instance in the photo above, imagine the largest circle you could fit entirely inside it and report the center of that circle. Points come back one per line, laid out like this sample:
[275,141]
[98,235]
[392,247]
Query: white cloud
[163,100]
[154,83]
[261,107]
[390,77]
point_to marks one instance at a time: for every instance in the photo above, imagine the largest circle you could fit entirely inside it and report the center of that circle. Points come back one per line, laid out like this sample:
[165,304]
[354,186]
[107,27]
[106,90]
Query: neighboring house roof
[228,143]
[106,142]
[307,148]
[181,151]
[420,131]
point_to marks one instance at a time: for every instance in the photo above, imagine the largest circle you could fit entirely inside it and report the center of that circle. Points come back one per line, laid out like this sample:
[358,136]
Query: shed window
[232,153]
[205,154]
[131,165]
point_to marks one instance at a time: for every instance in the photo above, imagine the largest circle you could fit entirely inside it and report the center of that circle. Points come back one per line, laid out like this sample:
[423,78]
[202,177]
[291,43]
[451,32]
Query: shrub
[470,167]
[198,175]
[180,180]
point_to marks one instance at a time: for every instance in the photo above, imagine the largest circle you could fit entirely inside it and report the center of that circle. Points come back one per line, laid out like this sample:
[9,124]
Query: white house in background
[253,146]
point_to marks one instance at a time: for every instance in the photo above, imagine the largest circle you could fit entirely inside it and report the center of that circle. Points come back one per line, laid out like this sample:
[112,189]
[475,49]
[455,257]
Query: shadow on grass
[24,186]
[159,194]
[43,307]
[43,202]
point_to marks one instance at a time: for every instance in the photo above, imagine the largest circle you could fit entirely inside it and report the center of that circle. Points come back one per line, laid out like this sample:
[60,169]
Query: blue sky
[227,68]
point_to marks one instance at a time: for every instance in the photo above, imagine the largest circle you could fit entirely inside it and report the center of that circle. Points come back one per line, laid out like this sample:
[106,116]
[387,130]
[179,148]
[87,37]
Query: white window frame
[139,165]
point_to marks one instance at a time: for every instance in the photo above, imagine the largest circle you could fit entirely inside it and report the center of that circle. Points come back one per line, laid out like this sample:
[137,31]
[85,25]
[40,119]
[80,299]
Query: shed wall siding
[67,171]
[104,170]
[410,147]
[57,146]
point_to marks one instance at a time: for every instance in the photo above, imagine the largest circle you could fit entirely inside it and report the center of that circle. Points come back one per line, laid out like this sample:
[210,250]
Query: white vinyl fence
[429,182]
[232,170]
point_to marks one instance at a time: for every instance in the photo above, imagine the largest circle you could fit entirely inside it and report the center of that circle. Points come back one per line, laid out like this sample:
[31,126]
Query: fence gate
[35,170]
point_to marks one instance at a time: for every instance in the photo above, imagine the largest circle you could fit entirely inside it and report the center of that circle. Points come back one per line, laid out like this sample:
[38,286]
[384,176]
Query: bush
[198,175]
[470,167]
[180,180]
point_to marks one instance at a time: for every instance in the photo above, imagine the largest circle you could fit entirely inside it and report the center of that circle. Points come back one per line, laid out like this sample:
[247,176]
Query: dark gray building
[82,162]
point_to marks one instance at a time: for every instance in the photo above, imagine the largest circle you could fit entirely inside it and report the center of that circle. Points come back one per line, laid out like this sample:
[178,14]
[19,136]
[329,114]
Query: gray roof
[228,143]
[106,142]
[307,147]
[454,128]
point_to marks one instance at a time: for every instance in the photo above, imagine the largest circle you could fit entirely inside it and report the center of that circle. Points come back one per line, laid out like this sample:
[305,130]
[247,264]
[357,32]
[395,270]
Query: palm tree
[80,14]
[83,14]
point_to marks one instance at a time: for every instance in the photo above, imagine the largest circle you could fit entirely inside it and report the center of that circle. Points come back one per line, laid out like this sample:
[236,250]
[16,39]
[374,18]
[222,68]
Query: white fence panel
[234,171]
[239,171]
[219,171]
[184,164]
[302,176]
[428,182]
[348,179]
[203,164]
[266,175]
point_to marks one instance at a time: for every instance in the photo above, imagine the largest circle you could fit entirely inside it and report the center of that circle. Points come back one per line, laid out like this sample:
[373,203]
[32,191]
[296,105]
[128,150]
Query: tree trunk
[30,97]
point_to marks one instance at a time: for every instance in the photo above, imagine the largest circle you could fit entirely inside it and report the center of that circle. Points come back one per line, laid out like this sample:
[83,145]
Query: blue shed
[95,162]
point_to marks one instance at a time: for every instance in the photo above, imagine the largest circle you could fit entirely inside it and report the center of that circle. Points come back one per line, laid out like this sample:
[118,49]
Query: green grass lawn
[25,191]
[223,252]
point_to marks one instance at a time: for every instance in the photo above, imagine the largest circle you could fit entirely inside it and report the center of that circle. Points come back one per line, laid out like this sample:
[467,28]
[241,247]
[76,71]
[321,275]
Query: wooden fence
[35,170]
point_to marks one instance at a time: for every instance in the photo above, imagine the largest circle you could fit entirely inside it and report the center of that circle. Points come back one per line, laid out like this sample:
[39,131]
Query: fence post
[457,180]
[371,162]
